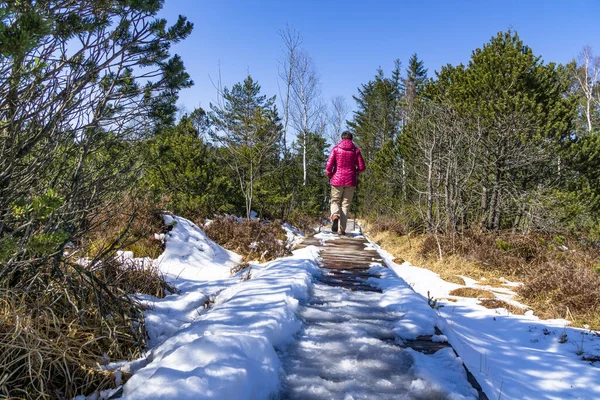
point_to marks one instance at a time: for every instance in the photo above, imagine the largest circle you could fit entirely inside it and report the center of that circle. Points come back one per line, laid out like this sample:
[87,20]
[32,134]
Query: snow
[417,317]
[511,356]
[191,255]
[441,375]
[348,349]
[226,338]
[227,351]
[294,235]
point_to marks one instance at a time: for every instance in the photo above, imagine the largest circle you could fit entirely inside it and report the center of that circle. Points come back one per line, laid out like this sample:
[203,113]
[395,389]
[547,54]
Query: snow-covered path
[349,346]
[346,350]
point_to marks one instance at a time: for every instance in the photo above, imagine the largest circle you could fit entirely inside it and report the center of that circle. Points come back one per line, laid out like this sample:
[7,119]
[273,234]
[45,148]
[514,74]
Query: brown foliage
[252,239]
[46,356]
[472,292]
[54,334]
[565,285]
[508,254]
[64,317]
[387,225]
[496,303]
[131,276]
[557,281]
[130,225]
[304,223]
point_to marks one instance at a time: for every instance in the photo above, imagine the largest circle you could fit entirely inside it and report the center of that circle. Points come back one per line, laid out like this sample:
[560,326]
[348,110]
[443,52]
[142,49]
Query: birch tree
[339,111]
[587,75]
[306,107]
[288,65]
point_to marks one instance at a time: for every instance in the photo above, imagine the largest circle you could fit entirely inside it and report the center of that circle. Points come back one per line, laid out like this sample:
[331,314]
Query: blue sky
[349,39]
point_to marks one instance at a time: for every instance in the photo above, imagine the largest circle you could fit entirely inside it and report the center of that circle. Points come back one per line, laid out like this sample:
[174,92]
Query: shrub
[555,282]
[252,239]
[304,223]
[502,245]
[130,225]
[563,286]
[55,331]
[46,357]
[61,317]
[509,255]
[134,276]
[392,225]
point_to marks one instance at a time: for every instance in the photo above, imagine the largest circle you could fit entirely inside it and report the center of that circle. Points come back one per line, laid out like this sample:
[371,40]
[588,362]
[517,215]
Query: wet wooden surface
[346,262]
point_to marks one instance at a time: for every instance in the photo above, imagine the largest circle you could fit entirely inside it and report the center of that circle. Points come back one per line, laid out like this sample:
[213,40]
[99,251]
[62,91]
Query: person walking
[343,166]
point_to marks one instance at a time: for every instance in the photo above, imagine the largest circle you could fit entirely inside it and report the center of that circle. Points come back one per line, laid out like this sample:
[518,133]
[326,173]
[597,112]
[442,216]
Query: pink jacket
[344,164]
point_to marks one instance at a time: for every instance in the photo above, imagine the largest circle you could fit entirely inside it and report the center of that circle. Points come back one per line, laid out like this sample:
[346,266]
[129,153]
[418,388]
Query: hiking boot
[334,225]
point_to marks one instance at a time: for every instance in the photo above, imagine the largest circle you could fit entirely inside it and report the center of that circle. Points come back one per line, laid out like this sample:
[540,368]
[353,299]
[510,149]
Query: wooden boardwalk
[346,261]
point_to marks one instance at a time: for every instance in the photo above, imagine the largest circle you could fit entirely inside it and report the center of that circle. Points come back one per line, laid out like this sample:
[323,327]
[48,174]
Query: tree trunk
[430,193]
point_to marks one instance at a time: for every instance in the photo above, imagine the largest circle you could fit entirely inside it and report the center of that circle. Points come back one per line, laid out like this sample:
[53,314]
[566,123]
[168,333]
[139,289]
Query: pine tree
[519,119]
[248,129]
[65,112]
[376,124]
[185,169]
[414,83]
[376,121]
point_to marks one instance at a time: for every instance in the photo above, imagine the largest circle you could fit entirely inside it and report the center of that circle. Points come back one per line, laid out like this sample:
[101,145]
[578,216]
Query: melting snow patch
[419,319]
[440,373]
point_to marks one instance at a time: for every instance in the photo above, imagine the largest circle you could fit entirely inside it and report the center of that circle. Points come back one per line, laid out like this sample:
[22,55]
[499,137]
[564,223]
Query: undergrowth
[304,223]
[115,226]
[55,332]
[560,274]
[62,317]
[252,239]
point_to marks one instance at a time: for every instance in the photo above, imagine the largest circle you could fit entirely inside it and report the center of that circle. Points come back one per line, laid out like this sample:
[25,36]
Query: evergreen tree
[248,128]
[83,82]
[519,118]
[414,83]
[66,112]
[185,169]
[376,124]
[376,120]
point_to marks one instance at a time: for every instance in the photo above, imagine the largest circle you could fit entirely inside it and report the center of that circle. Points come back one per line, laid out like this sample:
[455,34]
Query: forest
[496,161]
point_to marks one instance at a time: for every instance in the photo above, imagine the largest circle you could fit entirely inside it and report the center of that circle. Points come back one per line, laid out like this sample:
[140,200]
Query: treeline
[506,142]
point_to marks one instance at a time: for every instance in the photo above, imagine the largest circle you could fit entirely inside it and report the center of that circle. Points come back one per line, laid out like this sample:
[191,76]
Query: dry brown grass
[56,332]
[472,292]
[252,239]
[449,277]
[380,225]
[115,224]
[557,283]
[493,282]
[304,223]
[565,288]
[60,320]
[52,342]
[496,303]
[409,248]
[131,277]
[239,268]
